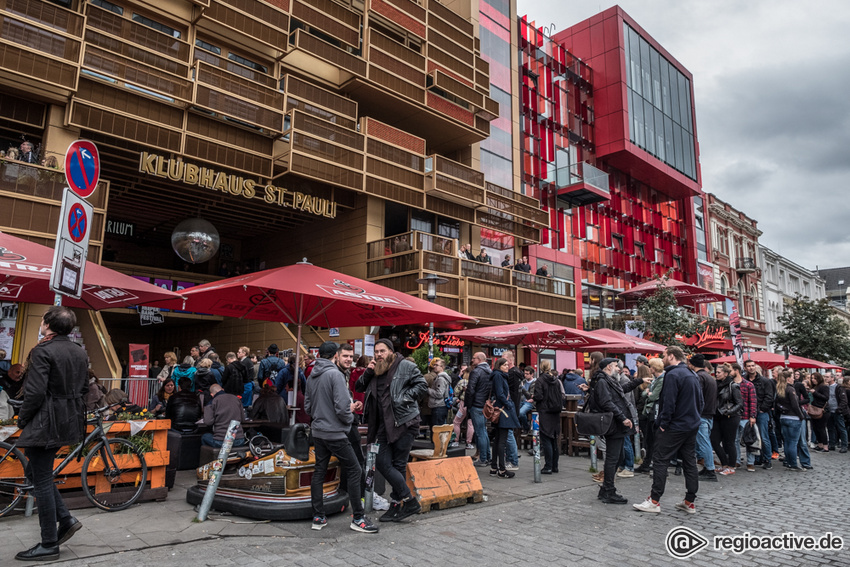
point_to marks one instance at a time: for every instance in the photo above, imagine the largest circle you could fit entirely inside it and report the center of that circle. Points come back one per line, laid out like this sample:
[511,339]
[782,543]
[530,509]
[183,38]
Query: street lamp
[431,281]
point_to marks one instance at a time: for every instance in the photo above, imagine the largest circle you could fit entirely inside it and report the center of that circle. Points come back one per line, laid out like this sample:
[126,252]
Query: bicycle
[113,474]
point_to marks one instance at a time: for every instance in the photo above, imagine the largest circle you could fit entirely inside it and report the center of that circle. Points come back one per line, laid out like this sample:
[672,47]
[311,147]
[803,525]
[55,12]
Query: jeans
[458,420]
[392,463]
[439,415]
[248,395]
[704,451]
[791,429]
[210,441]
[628,454]
[51,507]
[614,446]
[763,423]
[511,454]
[802,446]
[549,446]
[837,431]
[482,440]
[751,457]
[775,434]
[669,445]
[348,462]
[354,441]
[524,410]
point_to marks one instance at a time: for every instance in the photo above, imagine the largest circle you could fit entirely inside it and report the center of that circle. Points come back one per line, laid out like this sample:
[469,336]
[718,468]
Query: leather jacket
[407,386]
[729,400]
[184,410]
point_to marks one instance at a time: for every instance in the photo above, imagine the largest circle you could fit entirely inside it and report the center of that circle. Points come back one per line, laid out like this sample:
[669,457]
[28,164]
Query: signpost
[82,171]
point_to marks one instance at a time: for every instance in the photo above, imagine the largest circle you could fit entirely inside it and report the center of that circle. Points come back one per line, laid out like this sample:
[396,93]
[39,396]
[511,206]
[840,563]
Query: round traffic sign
[77,223]
[82,167]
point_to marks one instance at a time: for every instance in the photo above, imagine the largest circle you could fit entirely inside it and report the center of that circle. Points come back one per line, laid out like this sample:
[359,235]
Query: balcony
[263,26]
[581,184]
[405,13]
[744,265]
[455,182]
[492,294]
[236,97]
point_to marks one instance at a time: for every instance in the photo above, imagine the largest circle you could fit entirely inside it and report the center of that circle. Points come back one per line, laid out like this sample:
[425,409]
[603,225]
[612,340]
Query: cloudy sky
[772,95]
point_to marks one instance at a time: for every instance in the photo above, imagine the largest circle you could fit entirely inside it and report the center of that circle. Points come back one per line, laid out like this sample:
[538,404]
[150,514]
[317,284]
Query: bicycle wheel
[13,483]
[114,474]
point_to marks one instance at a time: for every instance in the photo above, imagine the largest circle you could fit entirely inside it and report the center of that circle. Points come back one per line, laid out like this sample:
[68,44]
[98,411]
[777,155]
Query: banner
[139,367]
[735,331]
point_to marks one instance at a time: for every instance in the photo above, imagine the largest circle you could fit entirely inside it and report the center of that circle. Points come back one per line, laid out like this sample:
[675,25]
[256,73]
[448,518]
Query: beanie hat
[328,349]
[388,343]
[698,360]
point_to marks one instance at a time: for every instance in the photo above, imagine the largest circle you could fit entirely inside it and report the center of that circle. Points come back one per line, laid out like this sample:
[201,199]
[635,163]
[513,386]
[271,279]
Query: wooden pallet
[444,483]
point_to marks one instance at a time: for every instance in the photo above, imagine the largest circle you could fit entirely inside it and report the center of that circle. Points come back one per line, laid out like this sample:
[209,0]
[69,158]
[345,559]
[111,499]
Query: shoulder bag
[589,422]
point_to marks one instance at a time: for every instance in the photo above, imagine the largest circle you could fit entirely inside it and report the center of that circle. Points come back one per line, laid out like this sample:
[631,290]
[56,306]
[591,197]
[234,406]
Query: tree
[661,319]
[420,355]
[812,330]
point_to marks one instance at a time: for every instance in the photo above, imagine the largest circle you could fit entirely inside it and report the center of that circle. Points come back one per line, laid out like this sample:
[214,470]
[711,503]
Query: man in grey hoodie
[328,403]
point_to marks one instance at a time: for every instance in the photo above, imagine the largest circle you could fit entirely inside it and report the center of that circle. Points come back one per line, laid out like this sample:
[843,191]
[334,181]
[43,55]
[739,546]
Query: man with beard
[393,386]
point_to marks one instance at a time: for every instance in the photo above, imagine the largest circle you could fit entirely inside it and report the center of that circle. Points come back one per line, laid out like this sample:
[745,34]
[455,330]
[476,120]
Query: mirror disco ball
[195,240]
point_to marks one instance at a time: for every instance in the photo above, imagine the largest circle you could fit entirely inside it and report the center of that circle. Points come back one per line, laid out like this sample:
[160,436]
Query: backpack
[450,399]
[553,401]
[275,366]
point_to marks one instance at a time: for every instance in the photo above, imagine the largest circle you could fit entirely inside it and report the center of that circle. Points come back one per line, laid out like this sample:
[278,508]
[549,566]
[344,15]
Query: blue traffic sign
[82,167]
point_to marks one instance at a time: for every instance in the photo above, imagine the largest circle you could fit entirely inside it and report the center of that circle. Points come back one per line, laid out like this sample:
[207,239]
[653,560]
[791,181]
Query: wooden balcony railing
[136,34]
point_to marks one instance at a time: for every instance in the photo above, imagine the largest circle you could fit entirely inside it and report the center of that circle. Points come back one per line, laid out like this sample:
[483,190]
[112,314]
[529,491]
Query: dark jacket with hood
[549,401]
[234,378]
[572,383]
[709,393]
[53,413]
[406,386]
[479,387]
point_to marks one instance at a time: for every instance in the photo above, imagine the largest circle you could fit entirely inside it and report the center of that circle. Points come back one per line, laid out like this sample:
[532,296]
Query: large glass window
[659,99]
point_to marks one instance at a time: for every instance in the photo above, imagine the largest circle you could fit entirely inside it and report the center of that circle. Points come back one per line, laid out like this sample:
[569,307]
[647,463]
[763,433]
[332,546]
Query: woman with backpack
[507,418]
[608,395]
[549,401]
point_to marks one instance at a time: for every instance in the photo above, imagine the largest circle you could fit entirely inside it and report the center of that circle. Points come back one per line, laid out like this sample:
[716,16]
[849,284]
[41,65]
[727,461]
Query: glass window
[680,155]
[637,124]
[208,47]
[645,69]
[156,25]
[670,153]
[634,54]
[631,113]
[497,169]
[656,78]
[665,89]
[108,6]
[674,94]
[421,221]
[684,109]
[659,135]
[248,63]
[649,121]
[448,227]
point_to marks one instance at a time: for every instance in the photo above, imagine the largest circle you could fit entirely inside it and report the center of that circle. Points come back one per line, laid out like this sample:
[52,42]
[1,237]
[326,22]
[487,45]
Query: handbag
[593,422]
[815,412]
[491,412]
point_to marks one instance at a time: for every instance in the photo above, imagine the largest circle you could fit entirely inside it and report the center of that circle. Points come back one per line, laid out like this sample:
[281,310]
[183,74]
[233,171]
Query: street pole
[217,470]
[535,444]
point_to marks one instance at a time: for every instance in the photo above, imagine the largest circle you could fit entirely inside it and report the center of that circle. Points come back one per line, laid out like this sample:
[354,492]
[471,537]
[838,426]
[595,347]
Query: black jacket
[234,378]
[709,393]
[789,404]
[841,396]
[515,386]
[53,413]
[729,398]
[820,396]
[184,410]
[204,378]
[406,386]
[681,403]
[479,387]
[765,392]
[609,396]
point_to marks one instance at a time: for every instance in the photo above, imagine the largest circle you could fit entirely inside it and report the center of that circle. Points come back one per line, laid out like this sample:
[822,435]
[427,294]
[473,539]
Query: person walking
[680,408]
[393,385]
[507,419]
[461,414]
[329,404]
[477,393]
[52,416]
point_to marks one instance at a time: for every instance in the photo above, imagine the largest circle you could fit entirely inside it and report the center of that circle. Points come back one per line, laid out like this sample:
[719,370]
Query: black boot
[612,497]
[678,471]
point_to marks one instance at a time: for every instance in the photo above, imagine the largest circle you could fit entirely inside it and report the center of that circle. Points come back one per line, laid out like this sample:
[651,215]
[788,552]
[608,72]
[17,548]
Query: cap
[606,361]
[328,349]
[642,359]
[272,348]
[698,360]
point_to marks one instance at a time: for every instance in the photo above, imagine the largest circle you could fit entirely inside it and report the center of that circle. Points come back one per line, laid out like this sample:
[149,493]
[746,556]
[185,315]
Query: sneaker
[544,470]
[408,508]
[319,522]
[774,456]
[380,503]
[709,476]
[767,466]
[647,506]
[678,471]
[727,471]
[506,474]
[626,473]
[751,468]
[599,477]
[795,469]
[494,472]
[510,467]
[842,450]
[392,514]
[470,446]
[808,467]
[454,444]
[481,463]
[686,506]
[614,498]
[364,525]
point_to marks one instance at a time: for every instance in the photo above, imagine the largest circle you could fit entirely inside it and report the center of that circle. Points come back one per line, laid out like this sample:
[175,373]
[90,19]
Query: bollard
[29,505]
[535,444]
[593,462]
[638,454]
[215,476]
[371,456]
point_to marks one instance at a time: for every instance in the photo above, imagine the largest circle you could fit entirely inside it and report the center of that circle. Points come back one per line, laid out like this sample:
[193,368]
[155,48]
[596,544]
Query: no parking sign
[82,167]
[72,245]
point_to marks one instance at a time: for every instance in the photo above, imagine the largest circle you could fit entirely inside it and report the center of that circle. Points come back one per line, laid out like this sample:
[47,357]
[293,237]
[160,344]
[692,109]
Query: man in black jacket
[477,393]
[52,416]
[765,395]
[680,407]
[233,377]
[515,377]
[184,408]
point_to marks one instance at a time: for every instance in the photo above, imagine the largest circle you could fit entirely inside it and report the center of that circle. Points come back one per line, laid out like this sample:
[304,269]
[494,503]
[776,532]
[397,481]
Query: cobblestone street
[559,521]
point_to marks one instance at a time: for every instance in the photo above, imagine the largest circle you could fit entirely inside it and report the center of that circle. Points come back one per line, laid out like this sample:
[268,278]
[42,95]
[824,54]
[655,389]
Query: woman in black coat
[507,419]
[820,398]
[607,395]
[730,407]
[549,401]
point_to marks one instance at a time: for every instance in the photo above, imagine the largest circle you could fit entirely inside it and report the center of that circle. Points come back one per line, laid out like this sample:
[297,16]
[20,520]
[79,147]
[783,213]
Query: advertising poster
[139,367]
[8,318]
[369,345]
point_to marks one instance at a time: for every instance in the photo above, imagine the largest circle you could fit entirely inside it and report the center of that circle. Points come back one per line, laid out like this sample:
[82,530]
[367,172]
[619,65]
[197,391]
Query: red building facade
[637,103]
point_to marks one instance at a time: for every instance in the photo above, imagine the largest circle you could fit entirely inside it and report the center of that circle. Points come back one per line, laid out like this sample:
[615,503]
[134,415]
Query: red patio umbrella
[623,343]
[686,294]
[772,359]
[304,294]
[26,268]
[536,335]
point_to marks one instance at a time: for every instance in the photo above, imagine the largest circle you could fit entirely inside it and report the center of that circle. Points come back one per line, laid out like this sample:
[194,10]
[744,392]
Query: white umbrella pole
[296,380]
